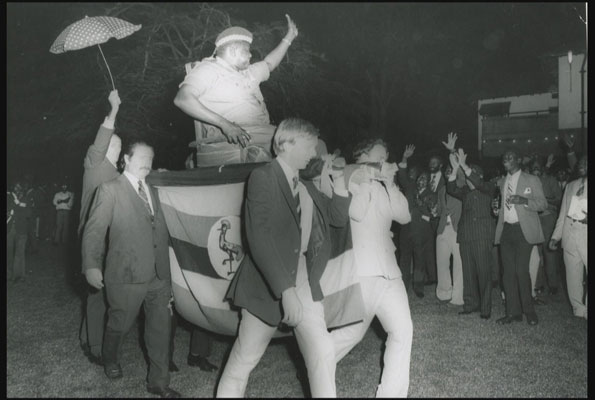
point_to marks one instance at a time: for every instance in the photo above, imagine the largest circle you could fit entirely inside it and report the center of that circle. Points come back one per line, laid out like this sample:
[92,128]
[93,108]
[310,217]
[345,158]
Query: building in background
[534,122]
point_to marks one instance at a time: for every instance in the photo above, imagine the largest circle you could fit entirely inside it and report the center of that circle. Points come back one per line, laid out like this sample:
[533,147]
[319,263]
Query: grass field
[452,355]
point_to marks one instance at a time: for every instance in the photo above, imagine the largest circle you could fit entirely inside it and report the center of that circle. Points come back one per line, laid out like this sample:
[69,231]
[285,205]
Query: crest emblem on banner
[225,246]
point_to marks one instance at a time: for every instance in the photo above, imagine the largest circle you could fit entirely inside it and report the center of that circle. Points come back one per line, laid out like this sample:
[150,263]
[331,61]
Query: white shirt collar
[133,179]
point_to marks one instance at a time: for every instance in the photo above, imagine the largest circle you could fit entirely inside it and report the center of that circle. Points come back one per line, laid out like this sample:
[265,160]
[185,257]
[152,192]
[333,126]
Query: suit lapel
[285,189]
[136,200]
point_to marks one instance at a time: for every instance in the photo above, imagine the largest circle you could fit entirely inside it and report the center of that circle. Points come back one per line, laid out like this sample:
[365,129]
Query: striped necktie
[433,183]
[143,195]
[508,194]
[297,197]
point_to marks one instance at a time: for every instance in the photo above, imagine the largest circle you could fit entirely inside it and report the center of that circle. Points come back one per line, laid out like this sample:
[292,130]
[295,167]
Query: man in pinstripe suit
[475,234]
[518,229]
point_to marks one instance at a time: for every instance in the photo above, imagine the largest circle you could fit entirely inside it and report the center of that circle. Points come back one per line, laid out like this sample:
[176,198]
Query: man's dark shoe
[419,294]
[202,363]
[113,371]
[532,319]
[428,283]
[166,392]
[538,302]
[173,367]
[94,359]
[508,320]
[485,316]
[465,312]
[554,291]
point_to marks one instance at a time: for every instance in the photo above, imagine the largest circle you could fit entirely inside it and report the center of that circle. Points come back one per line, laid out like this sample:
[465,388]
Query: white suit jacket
[372,210]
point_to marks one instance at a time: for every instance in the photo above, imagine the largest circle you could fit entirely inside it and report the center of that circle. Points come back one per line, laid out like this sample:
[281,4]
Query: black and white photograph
[305,199]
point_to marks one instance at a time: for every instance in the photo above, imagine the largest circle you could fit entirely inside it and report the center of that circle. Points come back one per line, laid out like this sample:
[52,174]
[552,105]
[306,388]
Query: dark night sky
[496,45]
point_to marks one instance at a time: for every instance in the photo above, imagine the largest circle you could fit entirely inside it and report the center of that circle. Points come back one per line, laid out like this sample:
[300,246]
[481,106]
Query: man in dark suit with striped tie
[136,265]
[275,284]
[475,234]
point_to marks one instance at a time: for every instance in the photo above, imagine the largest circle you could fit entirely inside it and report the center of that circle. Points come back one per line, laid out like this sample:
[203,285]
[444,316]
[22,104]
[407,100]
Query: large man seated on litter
[223,93]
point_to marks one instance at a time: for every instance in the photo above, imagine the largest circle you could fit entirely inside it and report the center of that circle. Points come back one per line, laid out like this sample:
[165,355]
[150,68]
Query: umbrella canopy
[91,31]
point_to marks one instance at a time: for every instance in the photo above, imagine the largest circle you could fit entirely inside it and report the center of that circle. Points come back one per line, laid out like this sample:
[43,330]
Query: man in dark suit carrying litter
[137,267]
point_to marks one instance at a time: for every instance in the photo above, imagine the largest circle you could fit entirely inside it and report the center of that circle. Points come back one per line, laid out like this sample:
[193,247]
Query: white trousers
[387,300]
[447,288]
[312,336]
[534,262]
[575,260]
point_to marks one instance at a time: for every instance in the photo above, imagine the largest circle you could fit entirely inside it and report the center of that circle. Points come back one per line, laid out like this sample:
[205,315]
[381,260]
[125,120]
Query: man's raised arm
[273,59]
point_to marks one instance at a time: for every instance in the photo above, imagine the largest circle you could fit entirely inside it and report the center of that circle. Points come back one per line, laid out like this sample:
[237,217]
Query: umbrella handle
[108,70]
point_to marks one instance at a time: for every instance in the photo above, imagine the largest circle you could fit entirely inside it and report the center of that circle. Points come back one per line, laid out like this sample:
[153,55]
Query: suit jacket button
[154,246]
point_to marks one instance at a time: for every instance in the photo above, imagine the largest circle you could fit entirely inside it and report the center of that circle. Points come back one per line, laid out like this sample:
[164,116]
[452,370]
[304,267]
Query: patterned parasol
[91,31]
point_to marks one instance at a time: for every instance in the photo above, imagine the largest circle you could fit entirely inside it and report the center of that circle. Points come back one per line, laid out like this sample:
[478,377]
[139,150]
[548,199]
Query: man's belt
[577,220]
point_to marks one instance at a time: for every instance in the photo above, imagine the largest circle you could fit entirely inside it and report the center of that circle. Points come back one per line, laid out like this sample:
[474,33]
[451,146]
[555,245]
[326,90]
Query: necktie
[508,194]
[581,188]
[433,183]
[143,195]
[297,197]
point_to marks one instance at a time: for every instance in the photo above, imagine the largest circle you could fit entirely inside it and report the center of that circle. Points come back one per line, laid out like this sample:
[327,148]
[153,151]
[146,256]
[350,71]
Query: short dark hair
[366,145]
[133,144]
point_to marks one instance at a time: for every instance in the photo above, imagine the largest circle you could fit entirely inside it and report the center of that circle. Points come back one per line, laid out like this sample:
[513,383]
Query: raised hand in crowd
[409,149]
[551,159]
[451,142]
[568,141]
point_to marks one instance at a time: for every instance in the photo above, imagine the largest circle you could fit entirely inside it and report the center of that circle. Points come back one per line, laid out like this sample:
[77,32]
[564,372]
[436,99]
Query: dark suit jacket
[552,193]
[274,239]
[138,248]
[476,223]
[420,227]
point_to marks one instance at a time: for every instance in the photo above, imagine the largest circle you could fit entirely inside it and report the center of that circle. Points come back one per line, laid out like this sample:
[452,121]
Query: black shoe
[508,320]
[173,367]
[113,371]
[538,302]
[554,291]
[428,283]
[465,312]
[95,359]
[202,363]
[532,319]
[485,316]
[419,294]
[166,392]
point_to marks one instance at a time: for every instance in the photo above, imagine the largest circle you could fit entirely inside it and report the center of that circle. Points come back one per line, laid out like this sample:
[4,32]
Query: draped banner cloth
[202,209]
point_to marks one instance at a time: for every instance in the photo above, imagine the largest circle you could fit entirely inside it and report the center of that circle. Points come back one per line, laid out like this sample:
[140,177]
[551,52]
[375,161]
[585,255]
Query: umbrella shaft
[106,64]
